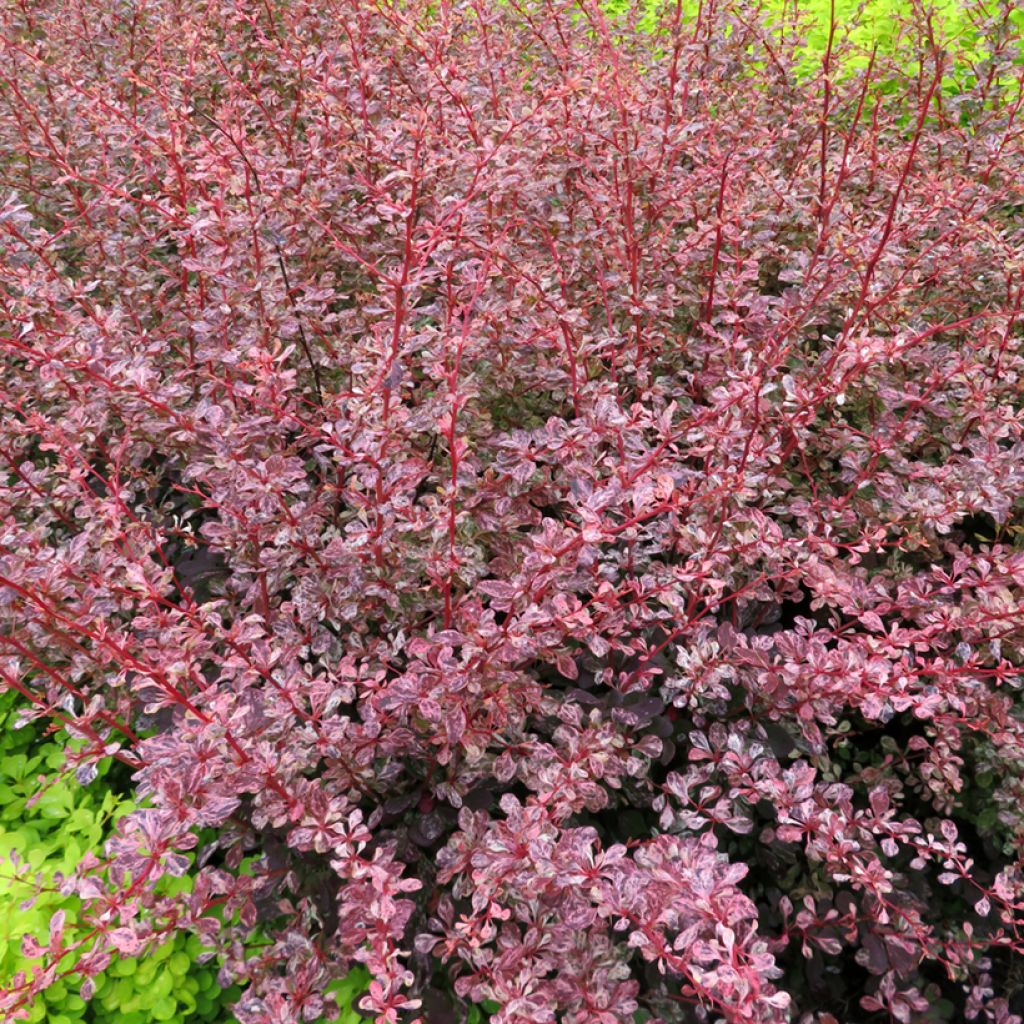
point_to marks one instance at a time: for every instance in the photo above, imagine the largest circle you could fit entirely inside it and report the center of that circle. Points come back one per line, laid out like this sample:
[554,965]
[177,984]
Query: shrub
[534,504]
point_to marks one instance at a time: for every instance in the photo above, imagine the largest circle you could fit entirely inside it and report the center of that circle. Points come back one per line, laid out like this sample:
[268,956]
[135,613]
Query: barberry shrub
[533,504]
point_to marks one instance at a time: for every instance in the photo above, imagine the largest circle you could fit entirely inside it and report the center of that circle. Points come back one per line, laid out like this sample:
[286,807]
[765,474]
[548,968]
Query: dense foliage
[46,824]
[532,506]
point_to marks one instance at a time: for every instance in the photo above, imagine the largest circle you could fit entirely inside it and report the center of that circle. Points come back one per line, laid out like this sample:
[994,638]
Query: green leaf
[179,964]
[124,968]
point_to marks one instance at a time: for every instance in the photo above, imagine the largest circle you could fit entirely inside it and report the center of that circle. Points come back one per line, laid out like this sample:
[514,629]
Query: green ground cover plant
[48,824]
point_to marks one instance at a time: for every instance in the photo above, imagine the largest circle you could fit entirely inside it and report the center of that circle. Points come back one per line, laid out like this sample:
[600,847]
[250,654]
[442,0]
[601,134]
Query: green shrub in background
[863,24]
[167,985]
[47,836]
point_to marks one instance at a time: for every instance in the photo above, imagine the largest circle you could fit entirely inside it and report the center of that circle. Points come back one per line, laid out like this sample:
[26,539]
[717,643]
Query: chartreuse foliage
[47,822]
[165,985]
[900,28]
[347,992]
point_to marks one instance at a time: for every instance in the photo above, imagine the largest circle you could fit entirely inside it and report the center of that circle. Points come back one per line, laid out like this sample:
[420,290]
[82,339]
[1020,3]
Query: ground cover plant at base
[47,823]
[531,503]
